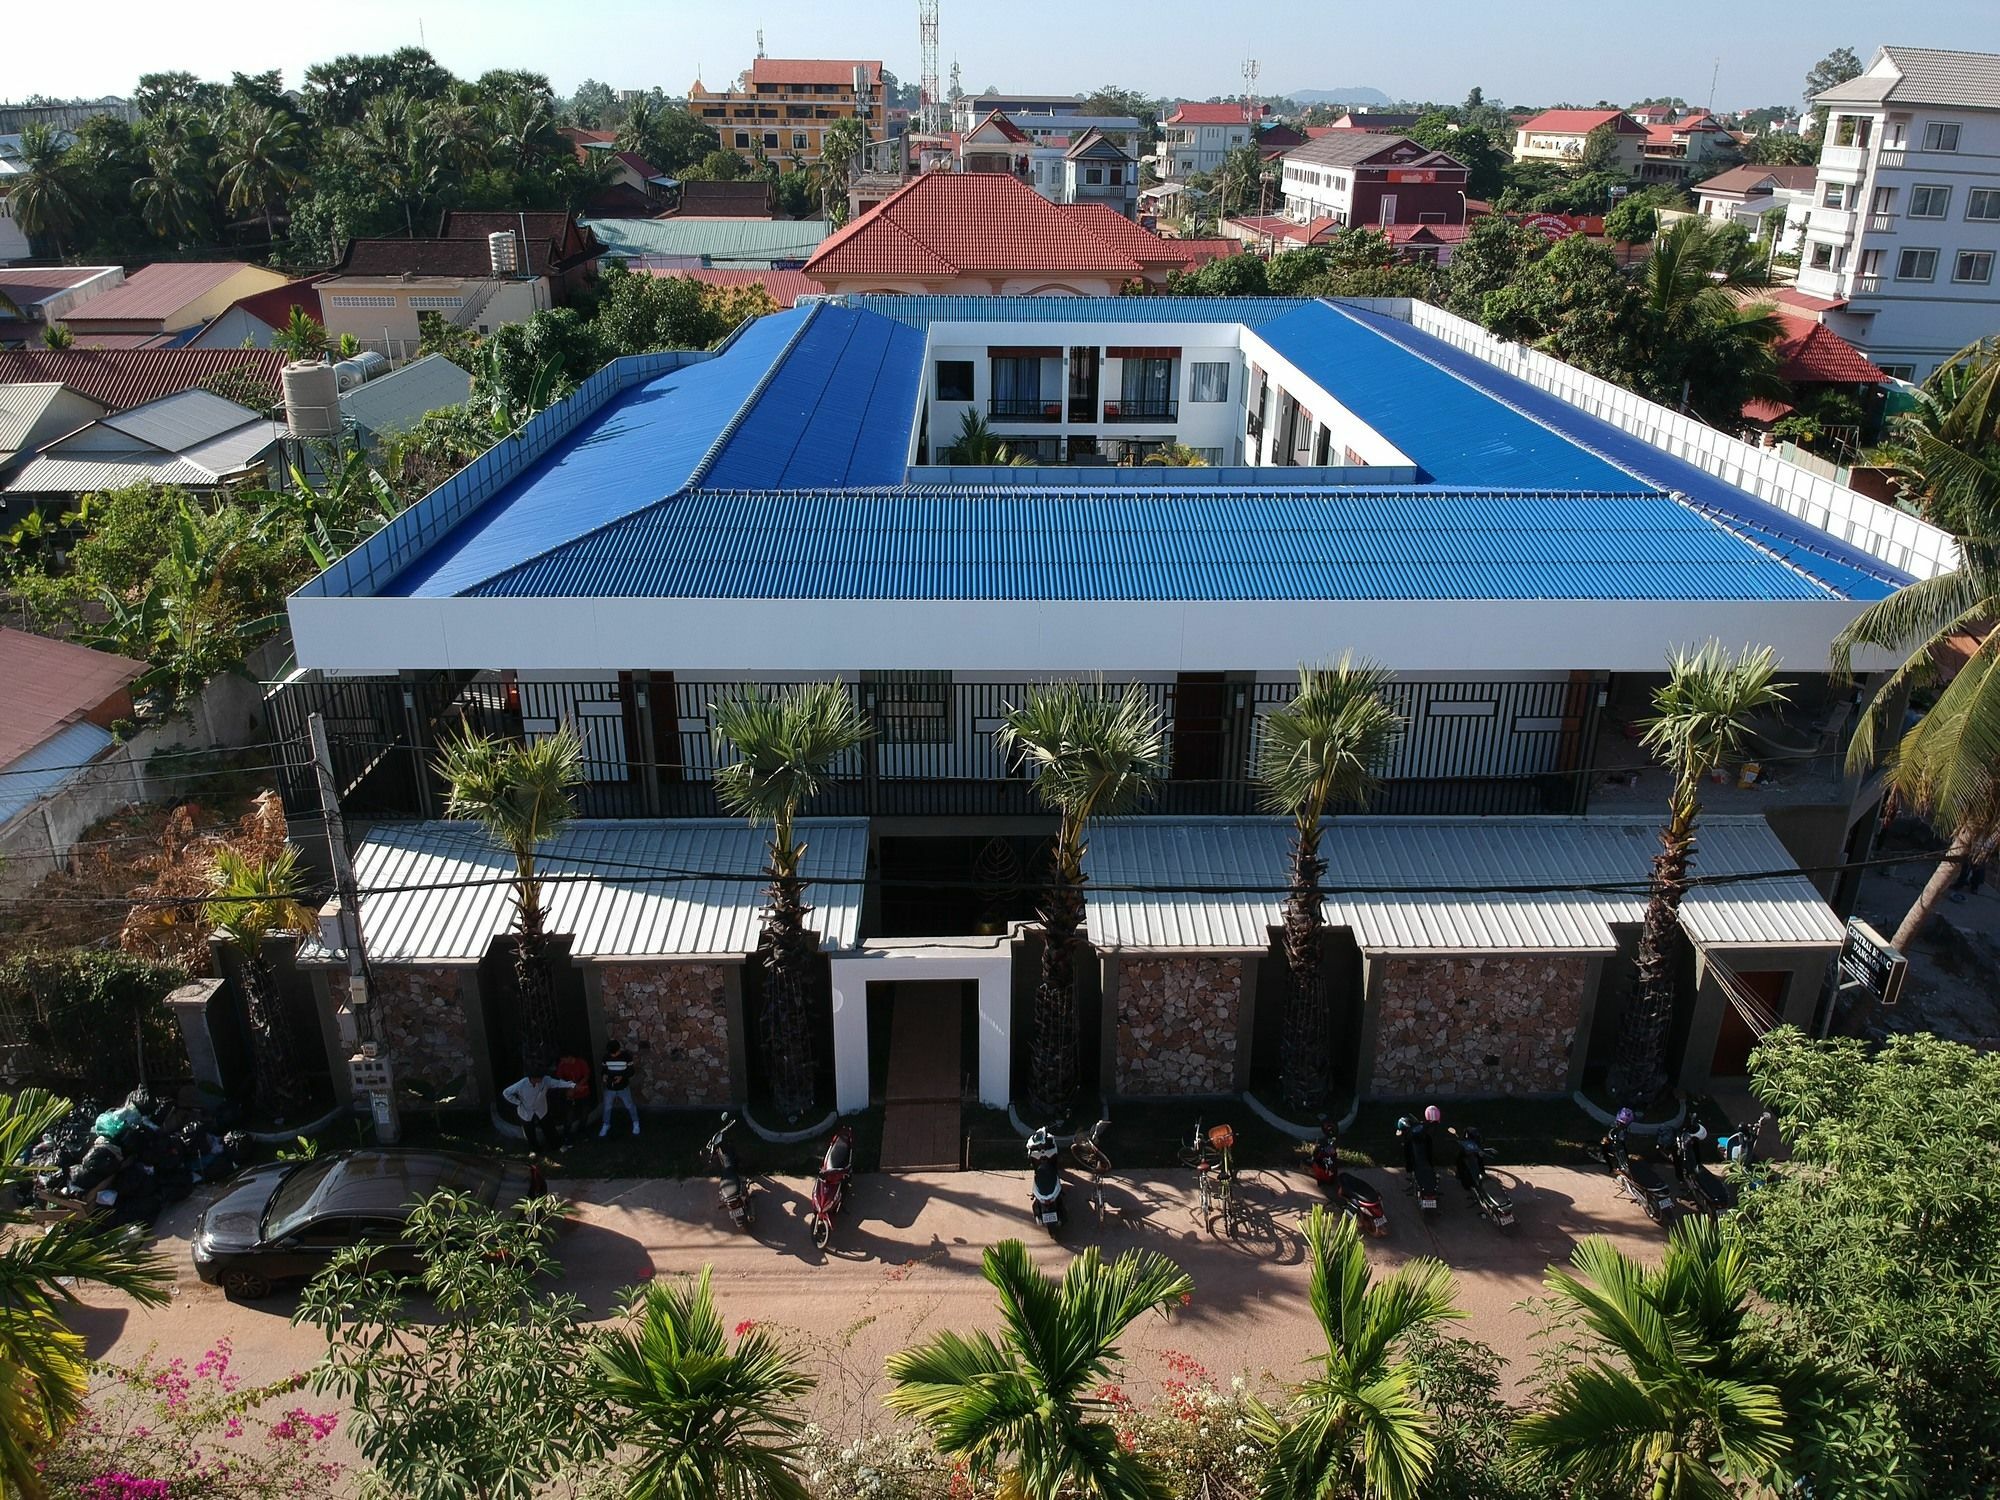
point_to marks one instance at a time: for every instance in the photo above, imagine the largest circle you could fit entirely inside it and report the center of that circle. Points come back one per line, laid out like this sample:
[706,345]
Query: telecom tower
[930,116]
[1250,90]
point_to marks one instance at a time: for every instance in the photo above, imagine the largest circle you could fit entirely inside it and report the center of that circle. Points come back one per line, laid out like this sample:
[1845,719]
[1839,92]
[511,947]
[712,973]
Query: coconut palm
[47,195]
[249,902]
[785,748]
[44,1367]
[1358,1427]
[1177,456]
[302,337]
[524,132]
[57,336]
[521,794]
[1673,1401]
[262,156]
[840,147]
[1025,1405]
[1318,751]
[703,1419]
[173,199]
[1093,754]
[1709,344]
[977,446]
[1701,715]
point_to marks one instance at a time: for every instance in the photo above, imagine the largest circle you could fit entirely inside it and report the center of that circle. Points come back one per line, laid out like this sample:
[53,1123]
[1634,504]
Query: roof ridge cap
[736,418]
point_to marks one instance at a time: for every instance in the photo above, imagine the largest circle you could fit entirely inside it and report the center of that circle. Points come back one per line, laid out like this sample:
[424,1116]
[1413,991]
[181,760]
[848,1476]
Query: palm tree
[1318,751]
[250,901]
[840,146]
[1701,715]
[1177,456]
[57,336]
[262,156]
[1359,1427]
[521,795]
[1025,1404]
[1693,288]
[44,1367]
[705,1420]
[173,200]
[1673,1402]
[302,337]
[786,748]
[976,446]
[1093,754]
[47,195]
[524,132]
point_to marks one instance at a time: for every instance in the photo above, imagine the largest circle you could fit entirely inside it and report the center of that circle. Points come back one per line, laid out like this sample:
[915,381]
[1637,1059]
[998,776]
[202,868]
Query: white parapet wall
[1896,537]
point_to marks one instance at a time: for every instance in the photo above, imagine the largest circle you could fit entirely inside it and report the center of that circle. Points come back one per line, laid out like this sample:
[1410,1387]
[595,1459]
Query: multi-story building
[1744,195]
[1199,137]
[967,110]
[1518,543]
[781,108]
[1358,177]
[1672,148]
[1559,135]
[1906,229]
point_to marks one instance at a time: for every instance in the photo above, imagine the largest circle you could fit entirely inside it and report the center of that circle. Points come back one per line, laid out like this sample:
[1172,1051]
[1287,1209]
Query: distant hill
[1340,96]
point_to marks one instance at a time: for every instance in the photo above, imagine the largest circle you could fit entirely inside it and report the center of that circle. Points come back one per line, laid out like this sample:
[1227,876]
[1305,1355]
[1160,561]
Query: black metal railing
[1083,408]
[1471,747]
[1141,411]
[1023,409]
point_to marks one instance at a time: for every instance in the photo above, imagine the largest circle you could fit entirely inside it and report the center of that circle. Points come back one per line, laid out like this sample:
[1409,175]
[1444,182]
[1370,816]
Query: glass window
[1973,265]
[1211,456]
[1916,265]
[954,380]
[1208,380]
[770,138]
[1094,175]
[743,138]
[1821,257]
[1940,135]
[799,140]
[914,707]
[1982,203]
[1017,381]
[1835,195]
[1929,202]
[1146,384]
[1899,372]
[294,1197]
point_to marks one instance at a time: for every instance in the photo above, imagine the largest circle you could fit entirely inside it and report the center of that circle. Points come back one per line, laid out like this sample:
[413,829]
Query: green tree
[522,795]
[640,314]
[785,749]
[839,153]
[525,366]
[302,337]
[1177,456]
[1709,350]
[977,446]
[1600,151]
[250,903]
[1837,66]
[1294,273]
[1358,1427]
[1574,302]
[703,1419]
[262,156]
[1633,220]
[797,193]
[173,197]
[1494,253]
[1772,148]
[1317,752]
[1700,716]
[1226,276]
[44,1367]
[1026,1406]
[46,195]
[470,1379]
[1093,754]
[1470,144]
[592,105]
[57,336]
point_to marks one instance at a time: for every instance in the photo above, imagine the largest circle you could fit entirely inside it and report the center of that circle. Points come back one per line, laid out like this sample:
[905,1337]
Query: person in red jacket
[576,1106]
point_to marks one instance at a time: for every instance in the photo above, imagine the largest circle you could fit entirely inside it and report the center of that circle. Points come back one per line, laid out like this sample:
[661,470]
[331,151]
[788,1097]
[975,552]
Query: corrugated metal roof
[754,243]
[180,421]
[40,412]
[1443,884]
[397,401]
[124,378]
[47,475]
[48,765]
[921,312]
[620,888]
[159,291]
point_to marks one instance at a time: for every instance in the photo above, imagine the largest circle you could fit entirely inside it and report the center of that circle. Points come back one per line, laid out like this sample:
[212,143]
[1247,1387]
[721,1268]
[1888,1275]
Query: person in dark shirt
[616,1078]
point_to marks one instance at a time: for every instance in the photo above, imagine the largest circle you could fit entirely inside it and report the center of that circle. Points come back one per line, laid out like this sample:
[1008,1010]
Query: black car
[284,1221]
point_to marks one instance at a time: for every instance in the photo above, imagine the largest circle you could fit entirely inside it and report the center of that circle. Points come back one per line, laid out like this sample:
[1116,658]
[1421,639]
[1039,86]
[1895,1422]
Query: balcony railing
[1881,223]
[1891,160]
[1141,411]
[1868,282]
[1023,409]
[1844,159]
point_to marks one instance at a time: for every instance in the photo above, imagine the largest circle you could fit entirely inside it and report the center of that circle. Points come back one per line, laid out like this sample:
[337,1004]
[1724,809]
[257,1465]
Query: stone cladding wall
[1177,1023]
[1477,1024]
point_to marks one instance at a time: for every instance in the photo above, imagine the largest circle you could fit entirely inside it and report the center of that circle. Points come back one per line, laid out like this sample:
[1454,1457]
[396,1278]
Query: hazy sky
[1530,51]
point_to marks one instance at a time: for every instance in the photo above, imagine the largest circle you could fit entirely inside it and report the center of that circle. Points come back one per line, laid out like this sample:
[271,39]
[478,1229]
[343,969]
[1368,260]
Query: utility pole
[368,1068]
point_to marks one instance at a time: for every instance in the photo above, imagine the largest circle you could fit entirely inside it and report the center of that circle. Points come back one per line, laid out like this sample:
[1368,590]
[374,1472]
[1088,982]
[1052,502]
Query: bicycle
[1090,1156]
[1209,1154]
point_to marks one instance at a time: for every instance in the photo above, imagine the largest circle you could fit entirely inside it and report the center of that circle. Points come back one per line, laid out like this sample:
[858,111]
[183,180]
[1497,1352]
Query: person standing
[571,1112]
[530,1098]
[616,1078]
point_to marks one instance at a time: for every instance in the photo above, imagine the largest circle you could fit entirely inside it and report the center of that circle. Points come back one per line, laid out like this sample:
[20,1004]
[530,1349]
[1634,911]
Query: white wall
[1348,430]
[13,238]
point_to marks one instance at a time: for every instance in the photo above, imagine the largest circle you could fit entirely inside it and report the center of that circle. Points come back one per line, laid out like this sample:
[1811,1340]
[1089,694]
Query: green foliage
[1493,255]
[638,314]
[1573,302]
[85,1014]
[1230,276]
[1471,143]
[1633,220]
[1837,66]
[527,365]
[798,194]
[1093,753]
[977,446]
[443,442]
[1600,151]
[784,749]
[1775,149]
[243,385]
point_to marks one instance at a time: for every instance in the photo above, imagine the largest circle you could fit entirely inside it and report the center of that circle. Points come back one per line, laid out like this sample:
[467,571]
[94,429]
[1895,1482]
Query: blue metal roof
[49,766]
[921,312]
[1028,543]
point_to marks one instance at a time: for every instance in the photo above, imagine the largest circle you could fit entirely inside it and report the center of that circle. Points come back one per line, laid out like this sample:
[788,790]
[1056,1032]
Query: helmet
[1405,1123]
[1471,1135]
[1432,1114]
[1698,1131]
[1625,1116]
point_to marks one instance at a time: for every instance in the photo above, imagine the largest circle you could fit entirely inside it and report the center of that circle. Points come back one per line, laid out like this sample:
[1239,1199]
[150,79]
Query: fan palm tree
[47,195]
[1674,1402]
[1359,1427]
[44,1367]
[705,1420]
[1318,751]
[1701,715]
[1024,1405]
[1093,754]
[249,902]
[786,748]
[521,794]
[262,156]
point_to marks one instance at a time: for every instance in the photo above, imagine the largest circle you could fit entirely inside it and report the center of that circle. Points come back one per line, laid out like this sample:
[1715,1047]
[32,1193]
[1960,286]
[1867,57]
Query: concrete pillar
[189,1005]
[850,1036]
[996,1032]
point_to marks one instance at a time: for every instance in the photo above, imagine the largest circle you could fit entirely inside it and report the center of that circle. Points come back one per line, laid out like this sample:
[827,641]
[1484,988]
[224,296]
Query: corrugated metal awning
[1418,885]
[619,888]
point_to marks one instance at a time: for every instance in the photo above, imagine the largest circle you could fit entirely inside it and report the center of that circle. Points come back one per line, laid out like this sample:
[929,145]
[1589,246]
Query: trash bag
[99,1164]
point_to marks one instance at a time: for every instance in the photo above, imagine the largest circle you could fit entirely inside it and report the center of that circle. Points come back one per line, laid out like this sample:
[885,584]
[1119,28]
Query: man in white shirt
[530,1098]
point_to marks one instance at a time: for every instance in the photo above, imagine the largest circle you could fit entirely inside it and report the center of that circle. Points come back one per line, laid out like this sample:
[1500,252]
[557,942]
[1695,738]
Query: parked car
[284,1221]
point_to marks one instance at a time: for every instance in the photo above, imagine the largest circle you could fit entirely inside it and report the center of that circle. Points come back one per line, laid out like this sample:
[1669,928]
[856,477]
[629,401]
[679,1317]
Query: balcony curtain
[1017,380]
[1147,382]
[1209,381]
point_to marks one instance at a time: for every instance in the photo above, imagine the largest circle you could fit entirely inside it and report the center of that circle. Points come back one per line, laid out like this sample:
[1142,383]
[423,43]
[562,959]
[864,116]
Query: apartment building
[1559,135]
[781,108]
[1199,137]
[1358,177]
[1906,228]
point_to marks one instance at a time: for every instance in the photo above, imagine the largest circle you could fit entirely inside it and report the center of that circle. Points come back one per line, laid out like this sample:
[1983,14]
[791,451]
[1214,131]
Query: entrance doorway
[1735,1040]
[1083,384]
[928,1027]
[1201,722]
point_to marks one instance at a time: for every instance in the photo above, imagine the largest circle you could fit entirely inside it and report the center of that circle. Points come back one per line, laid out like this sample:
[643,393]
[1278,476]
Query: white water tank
[503,248]
[312,400]
[363,367]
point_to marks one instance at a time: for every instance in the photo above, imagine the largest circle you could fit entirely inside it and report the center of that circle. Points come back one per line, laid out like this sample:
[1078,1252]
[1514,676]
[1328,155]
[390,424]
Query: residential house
[1359,177]
[969,109]
[162,305]
[782,108]
[1516,542]
[62,701]
[35,413]
[995,144]
[991,232]
[1558,135]
[755,199]
[1815,361]
[1653,114]
[632,184]
[194,439]
[1674,150]
[684,243]
[1907,227]
[392,403]
[120,379]
[252,321]
[1096,169]
[33,297]
[1274,140]
[1198,138]
[1744,195]
[483,271]
[1381,121]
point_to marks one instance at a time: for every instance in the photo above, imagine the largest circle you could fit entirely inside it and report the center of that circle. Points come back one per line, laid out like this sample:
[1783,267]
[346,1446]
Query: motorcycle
[1416,1139]
[1479,1184]
[1635,1179]
[829,1194]
[1740,1147]
[731,1191]
[1705,1191]
[1349,1193]
[1045,1191]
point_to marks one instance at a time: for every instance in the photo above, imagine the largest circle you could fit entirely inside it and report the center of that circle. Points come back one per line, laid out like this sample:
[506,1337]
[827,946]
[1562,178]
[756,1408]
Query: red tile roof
[1007,128]
[1745,179]
[1659,135]
[1278,227]
[124,378]
[51,685]
[1760,409]
[755,199]
[1583,121]
[785,287]
[1443,234]
[1810,353]
[791,70]
[157,291]
[1208,114]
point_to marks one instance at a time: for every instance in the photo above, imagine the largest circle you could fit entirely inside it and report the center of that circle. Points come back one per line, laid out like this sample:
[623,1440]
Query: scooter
[1740,1147]
[1479,1184]
[1704,1191]
[1349,1193]
[731,1191]
[1416,1139]
[1635,1179]
[1045,1190]
[829,1194]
